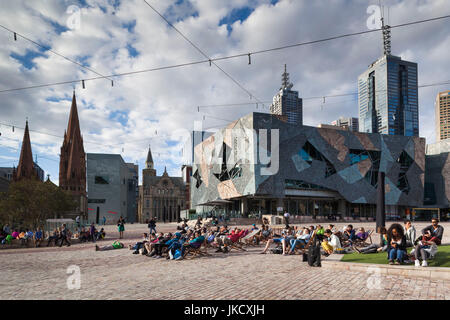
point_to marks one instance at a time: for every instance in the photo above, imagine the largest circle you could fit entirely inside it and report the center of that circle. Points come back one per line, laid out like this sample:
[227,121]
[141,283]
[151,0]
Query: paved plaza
[42,273]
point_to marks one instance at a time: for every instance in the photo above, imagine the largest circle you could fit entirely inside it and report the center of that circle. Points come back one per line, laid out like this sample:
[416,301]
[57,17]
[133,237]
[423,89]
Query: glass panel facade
[388,98]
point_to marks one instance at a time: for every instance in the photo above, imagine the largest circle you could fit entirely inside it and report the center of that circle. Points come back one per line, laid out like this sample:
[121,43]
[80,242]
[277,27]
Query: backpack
[314,255]
[277,250]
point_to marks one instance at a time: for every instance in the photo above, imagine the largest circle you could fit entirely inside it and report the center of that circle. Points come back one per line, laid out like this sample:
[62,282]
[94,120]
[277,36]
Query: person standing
[152,225]
[121,227]
[7,229]
[77,219]
[286,218]
[104,220]
[92,232]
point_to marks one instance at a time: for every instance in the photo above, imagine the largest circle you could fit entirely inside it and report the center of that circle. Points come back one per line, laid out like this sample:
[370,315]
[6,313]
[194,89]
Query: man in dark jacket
[435,230]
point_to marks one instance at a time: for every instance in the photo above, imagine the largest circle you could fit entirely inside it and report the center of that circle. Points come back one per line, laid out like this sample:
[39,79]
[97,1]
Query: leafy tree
[29,202]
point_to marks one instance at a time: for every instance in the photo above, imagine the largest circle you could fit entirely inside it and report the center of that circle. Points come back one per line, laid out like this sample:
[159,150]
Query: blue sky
[160,108]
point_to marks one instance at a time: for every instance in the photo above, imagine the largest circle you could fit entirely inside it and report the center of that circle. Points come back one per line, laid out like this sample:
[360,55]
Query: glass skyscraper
[388,97]
[287,103]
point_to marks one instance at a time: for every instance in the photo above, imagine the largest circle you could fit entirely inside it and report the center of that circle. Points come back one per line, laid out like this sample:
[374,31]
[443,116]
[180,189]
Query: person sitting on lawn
[115,245]
[410,233]
[396,244]
[362,234]
[435,230]
[332,228]
[38,237]
[331,242]
[426,249]
[349,234]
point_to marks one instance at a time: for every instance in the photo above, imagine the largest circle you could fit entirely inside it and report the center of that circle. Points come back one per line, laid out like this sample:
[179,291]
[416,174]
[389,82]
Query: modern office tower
[388,95]
[350,123]
[287,103]
[442,108]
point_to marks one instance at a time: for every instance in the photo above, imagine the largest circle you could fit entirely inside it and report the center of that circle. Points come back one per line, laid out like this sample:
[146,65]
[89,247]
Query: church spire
[149,162]
[72,165]
[25,168]
[73,128]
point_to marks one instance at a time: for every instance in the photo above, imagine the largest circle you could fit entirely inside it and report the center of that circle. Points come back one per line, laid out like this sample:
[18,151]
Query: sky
[160,108]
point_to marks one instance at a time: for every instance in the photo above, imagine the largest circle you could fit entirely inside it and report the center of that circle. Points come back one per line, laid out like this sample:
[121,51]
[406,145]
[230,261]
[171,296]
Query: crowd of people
[291,240]
[189,238]
[59,236]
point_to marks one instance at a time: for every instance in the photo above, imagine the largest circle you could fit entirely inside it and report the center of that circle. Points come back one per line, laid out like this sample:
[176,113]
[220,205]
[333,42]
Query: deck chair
[364,243]
[305,247]
[201,251]
[237,245]
[248,239]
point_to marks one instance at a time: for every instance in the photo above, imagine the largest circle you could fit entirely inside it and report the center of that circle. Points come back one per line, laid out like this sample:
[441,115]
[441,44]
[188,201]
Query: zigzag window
[405,162]
[310,153]
[302,185]
[197,177]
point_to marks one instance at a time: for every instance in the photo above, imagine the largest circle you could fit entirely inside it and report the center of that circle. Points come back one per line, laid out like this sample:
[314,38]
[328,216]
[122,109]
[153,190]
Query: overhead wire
[222,58]
[53,51]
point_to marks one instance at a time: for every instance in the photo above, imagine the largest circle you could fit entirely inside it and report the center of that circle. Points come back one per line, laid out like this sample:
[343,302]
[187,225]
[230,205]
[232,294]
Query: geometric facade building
[286,102]
[262,165]
[72,164]
[437,178]
[442,112]
[388,97]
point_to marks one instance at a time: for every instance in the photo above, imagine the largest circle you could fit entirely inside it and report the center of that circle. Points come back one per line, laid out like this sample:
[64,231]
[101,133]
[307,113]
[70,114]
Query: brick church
[72,164]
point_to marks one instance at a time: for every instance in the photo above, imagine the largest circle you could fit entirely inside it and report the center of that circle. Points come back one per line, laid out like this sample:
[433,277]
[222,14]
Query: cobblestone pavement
[118,274]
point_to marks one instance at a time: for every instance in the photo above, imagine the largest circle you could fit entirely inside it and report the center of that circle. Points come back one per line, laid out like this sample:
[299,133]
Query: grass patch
[442,258]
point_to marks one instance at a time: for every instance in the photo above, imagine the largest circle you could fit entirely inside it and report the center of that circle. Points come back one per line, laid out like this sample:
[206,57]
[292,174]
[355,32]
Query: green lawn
[442,258]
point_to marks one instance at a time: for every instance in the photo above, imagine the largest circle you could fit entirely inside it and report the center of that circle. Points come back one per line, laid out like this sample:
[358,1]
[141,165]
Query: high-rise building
[72,162]
[388,97]
[442,109]
[286,103]
[388,94]
[349,123]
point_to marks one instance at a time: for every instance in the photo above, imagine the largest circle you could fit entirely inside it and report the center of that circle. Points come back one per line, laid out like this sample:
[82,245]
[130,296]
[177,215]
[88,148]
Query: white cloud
[167,100]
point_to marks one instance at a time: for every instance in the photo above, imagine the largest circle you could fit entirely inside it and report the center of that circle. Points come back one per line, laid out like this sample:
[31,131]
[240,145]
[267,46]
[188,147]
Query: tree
[29,202]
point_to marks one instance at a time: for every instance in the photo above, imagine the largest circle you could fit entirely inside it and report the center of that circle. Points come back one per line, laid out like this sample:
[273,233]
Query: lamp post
[381,214]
